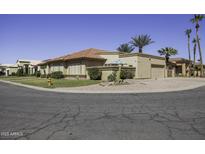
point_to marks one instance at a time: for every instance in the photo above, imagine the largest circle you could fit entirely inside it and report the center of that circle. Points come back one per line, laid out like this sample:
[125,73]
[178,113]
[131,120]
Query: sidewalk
[134,86]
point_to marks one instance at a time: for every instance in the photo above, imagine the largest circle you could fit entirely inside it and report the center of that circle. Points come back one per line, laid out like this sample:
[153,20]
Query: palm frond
[194,40]
[125,47]
[167,51]
[141,40]
[197,18]
[188,32]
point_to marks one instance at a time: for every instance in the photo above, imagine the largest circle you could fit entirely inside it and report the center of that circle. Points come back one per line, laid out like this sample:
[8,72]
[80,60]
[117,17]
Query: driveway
[31,114]
[140,86]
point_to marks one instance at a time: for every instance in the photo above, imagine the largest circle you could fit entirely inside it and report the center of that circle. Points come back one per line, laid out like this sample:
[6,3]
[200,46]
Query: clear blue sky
[45,36]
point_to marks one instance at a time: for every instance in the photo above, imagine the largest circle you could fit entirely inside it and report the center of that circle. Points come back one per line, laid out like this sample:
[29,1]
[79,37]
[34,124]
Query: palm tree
[125,48]
[140,41]
[196,20]
[188,32]
[167,52]
[194,42]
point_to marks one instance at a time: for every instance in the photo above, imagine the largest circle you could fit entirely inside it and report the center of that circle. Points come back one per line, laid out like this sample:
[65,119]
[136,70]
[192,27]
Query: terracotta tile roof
[90,53]
[61,58]
[87,53]
[58,58]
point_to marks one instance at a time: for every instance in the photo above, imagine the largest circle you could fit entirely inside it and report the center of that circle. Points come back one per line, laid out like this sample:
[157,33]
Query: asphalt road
[32,114]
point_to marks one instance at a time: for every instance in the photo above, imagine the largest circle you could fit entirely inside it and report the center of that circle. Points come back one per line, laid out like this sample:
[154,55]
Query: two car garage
[150,67]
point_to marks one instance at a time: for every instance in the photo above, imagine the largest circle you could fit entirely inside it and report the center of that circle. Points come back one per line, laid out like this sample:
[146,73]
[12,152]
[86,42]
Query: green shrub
[48,75]
[19,72]
[43,76]
[38,74]
[77,77]
[126,74]
[112,77]
[13,74]
[95,74]
[2,73]
[25,74]
[57,75]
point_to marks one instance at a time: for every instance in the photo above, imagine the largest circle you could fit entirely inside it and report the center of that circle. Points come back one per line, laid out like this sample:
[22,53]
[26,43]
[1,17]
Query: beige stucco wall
[93,62]
[108,70]
[143,68]
[170,72]
[105,74]
[72,68]
[110,57]
[42,68]
[11,70]
[54,67]
[144,65]
[130,60]
[76,69]
[147,65]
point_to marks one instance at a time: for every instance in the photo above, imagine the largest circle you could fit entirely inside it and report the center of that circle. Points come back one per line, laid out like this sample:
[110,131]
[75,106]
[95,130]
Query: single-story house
[180,67]
[2,69]
[197,69]
[8,69]
[77,64]
[29,66]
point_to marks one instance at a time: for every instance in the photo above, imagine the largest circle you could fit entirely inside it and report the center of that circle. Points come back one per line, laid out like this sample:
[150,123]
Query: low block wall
[107,70]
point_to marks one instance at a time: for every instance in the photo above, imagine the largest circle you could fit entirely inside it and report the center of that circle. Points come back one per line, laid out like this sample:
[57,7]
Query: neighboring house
[8,69]
[78,63]
[29,66]
[2,69]
[171,69]
[198,68]
[181,66]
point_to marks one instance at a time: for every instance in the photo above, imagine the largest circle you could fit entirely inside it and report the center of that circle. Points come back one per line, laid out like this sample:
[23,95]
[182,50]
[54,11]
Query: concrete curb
[102,92]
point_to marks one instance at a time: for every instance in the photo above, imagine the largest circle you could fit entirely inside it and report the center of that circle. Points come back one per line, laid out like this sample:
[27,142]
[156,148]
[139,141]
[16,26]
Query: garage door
[157,71]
